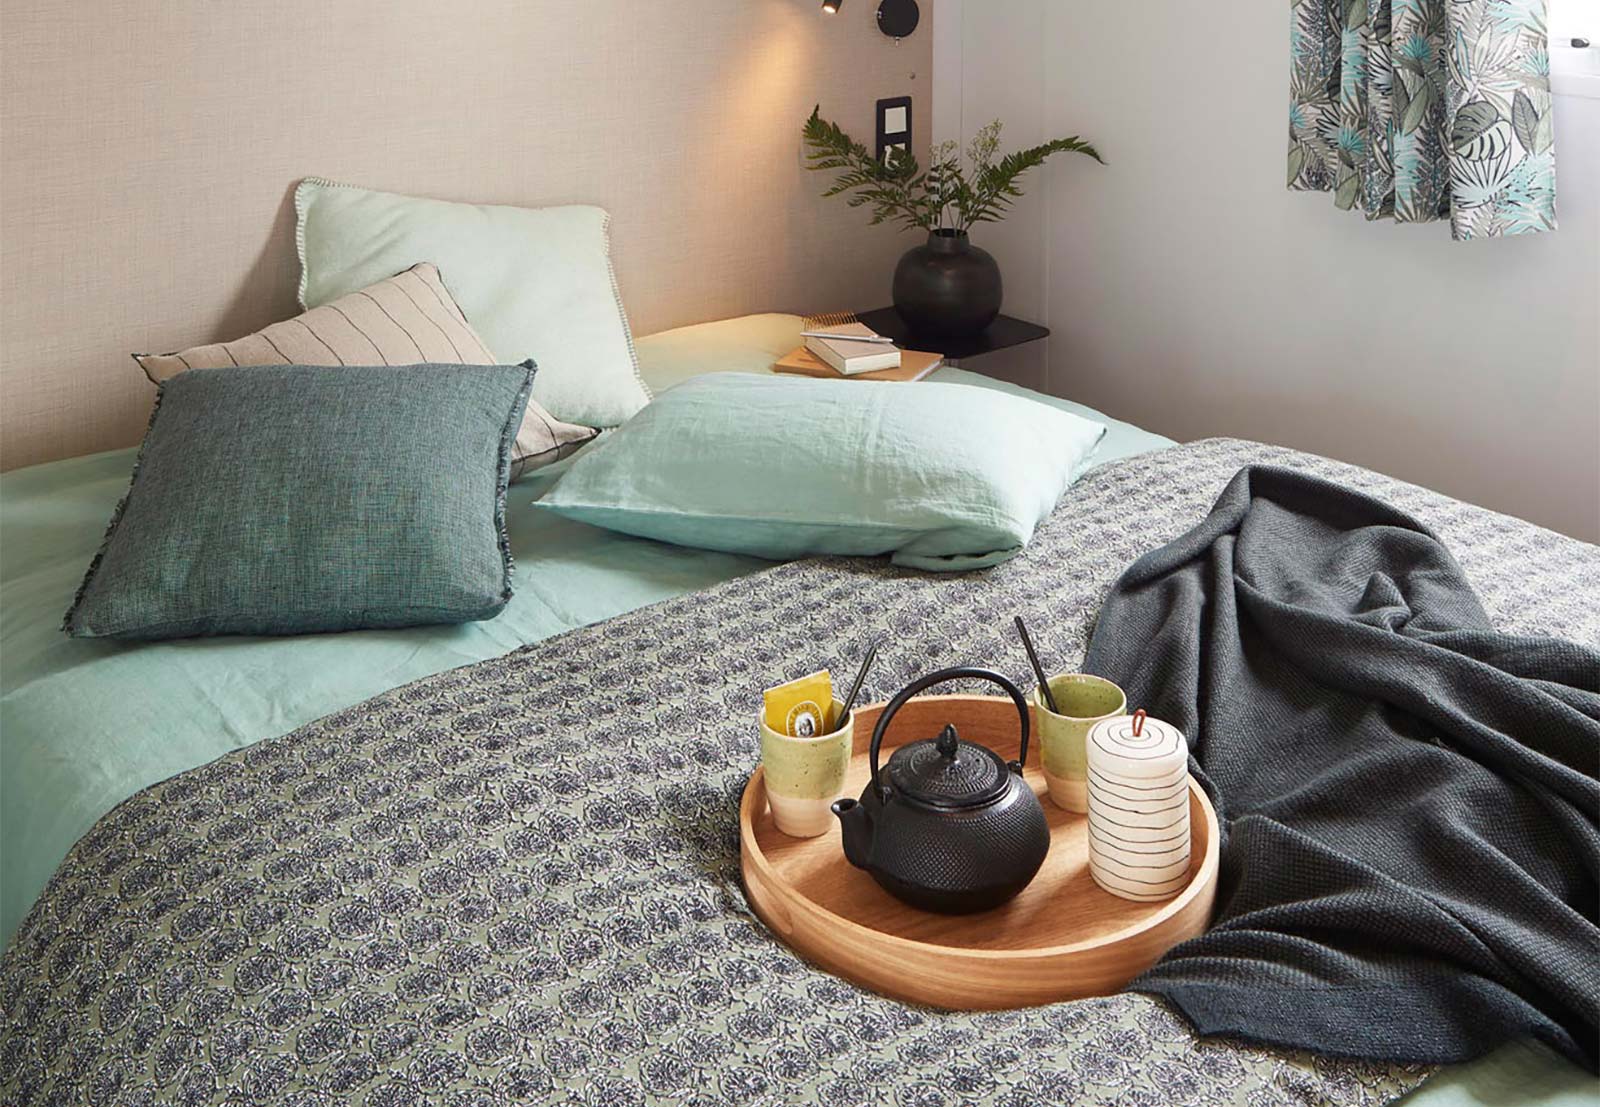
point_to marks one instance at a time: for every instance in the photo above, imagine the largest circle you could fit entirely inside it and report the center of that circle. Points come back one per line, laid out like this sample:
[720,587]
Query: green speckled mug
[805,775]
[1084,700]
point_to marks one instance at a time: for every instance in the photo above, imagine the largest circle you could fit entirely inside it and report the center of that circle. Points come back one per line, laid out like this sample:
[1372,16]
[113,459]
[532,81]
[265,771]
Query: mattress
[87,724]
[509,882]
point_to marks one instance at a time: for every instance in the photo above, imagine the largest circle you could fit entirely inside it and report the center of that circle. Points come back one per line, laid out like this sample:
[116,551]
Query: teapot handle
[922,683]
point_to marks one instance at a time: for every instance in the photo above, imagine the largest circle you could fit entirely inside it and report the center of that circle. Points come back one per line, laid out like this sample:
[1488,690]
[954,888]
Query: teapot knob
[948,741]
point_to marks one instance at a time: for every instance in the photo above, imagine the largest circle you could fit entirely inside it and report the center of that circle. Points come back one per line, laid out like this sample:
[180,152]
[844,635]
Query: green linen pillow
[943,476]
[296,499]
[535,283]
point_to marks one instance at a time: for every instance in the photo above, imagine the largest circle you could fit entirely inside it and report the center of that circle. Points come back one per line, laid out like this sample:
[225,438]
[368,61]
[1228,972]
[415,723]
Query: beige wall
[1189,291]
[148,150]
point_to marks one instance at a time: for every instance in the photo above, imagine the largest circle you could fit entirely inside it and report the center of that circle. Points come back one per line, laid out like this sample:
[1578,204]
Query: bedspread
[518,881]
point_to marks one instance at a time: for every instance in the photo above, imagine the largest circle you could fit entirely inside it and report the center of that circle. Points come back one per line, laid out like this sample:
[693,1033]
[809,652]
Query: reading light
[896,18]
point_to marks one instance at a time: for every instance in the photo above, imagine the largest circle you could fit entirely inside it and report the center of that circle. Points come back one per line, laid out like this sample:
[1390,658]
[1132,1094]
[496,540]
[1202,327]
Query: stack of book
[852,351]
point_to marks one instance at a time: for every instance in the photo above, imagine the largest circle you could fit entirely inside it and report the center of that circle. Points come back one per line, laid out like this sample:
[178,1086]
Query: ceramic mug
[805,775]
[1084,700]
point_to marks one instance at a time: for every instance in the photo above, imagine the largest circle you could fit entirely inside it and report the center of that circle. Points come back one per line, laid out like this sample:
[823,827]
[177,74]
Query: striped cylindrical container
[1138,807]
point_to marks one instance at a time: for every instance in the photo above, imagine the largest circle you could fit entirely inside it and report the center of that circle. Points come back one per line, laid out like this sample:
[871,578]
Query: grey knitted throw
[1409,796]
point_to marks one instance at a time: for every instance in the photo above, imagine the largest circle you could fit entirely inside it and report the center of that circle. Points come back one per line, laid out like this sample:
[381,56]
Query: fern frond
[898,188]
[998,183]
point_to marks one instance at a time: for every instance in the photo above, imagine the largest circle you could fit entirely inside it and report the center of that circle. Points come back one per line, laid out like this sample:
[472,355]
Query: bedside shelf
[1002,334]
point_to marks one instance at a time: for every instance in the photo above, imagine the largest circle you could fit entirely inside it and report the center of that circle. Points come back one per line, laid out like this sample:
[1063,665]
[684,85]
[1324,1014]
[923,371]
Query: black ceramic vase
[947,287]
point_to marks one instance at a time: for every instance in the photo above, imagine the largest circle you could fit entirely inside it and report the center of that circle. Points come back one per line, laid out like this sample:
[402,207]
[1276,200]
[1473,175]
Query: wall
[148,150]
[1189,291]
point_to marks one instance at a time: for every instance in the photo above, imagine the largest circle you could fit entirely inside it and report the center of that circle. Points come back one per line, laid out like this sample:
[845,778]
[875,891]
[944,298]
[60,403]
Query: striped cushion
[409,319]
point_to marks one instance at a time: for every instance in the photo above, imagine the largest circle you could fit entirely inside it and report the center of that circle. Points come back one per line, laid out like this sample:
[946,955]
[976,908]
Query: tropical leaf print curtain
[1415,110]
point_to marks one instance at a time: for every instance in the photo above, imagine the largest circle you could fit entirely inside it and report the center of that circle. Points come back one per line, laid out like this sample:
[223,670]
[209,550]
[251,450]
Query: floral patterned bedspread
[518,882]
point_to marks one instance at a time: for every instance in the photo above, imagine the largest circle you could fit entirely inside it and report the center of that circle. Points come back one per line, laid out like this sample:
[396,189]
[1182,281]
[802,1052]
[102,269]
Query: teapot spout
[855,829]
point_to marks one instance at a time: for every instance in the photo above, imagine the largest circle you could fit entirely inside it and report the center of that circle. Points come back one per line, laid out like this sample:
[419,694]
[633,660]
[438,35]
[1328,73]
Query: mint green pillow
[941,476]
[534,282]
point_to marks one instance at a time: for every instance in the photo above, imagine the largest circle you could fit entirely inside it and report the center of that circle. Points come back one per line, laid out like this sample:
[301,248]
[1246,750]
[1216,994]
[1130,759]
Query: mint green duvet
[85,724]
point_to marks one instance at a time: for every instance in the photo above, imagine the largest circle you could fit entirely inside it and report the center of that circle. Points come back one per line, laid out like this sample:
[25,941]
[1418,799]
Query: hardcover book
[914,365]
[850,357]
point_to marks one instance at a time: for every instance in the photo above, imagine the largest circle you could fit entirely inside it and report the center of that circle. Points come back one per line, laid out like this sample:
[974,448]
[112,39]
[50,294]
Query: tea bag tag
[800,708]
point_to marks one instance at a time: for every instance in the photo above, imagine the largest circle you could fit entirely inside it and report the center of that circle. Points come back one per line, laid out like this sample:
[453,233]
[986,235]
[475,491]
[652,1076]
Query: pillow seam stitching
[68,620]
[622,309]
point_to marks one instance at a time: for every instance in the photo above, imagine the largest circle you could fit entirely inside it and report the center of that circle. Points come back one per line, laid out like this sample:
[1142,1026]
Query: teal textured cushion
[942,476]
[294,499]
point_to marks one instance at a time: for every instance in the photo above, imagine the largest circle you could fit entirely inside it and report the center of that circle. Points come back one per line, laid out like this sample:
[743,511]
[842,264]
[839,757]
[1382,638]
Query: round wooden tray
[1063,938]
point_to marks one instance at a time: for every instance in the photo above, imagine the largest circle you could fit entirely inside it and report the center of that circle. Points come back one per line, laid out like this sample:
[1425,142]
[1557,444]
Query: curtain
[1415,110]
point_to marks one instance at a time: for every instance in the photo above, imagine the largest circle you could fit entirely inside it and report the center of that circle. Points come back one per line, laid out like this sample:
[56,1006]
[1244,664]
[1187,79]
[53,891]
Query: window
[1575,70]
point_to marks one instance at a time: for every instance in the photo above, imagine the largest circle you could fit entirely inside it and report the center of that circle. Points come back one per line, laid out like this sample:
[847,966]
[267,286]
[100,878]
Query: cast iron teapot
[947,825]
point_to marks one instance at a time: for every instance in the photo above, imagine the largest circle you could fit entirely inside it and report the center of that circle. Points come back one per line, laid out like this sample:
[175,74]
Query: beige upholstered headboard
[148,150]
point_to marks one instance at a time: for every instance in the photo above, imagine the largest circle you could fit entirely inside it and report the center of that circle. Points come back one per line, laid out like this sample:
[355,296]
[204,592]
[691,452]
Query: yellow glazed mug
[1084,700]
[805,775]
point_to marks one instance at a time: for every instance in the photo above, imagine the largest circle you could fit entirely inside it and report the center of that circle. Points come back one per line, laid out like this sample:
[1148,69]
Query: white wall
[1189,291]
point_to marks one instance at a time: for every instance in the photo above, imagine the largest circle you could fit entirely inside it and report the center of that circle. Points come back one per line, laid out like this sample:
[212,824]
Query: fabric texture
[516,882]
[1408,795]
[371,497]
[1425,109]
[88,723]
[1523,1073]
[406,319]
[941,477]
[536,282]
[183,704]
[751,343]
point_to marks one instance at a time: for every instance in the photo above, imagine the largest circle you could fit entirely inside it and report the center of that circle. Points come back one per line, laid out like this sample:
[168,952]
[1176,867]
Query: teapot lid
[947,771]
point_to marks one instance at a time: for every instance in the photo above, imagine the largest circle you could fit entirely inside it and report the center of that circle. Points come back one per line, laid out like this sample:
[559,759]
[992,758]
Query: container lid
[947,771]
[1137,746]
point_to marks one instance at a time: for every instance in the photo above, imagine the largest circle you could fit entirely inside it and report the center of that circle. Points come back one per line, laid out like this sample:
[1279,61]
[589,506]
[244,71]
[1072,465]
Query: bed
[87,725]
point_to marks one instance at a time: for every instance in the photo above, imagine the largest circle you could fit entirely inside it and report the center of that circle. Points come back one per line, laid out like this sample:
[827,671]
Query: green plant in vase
[946,287]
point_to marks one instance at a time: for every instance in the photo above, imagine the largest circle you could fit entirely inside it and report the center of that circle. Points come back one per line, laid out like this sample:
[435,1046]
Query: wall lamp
[896,18]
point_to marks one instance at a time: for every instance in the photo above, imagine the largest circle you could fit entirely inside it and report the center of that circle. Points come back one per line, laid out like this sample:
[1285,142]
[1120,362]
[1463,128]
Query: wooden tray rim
[1203,877]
